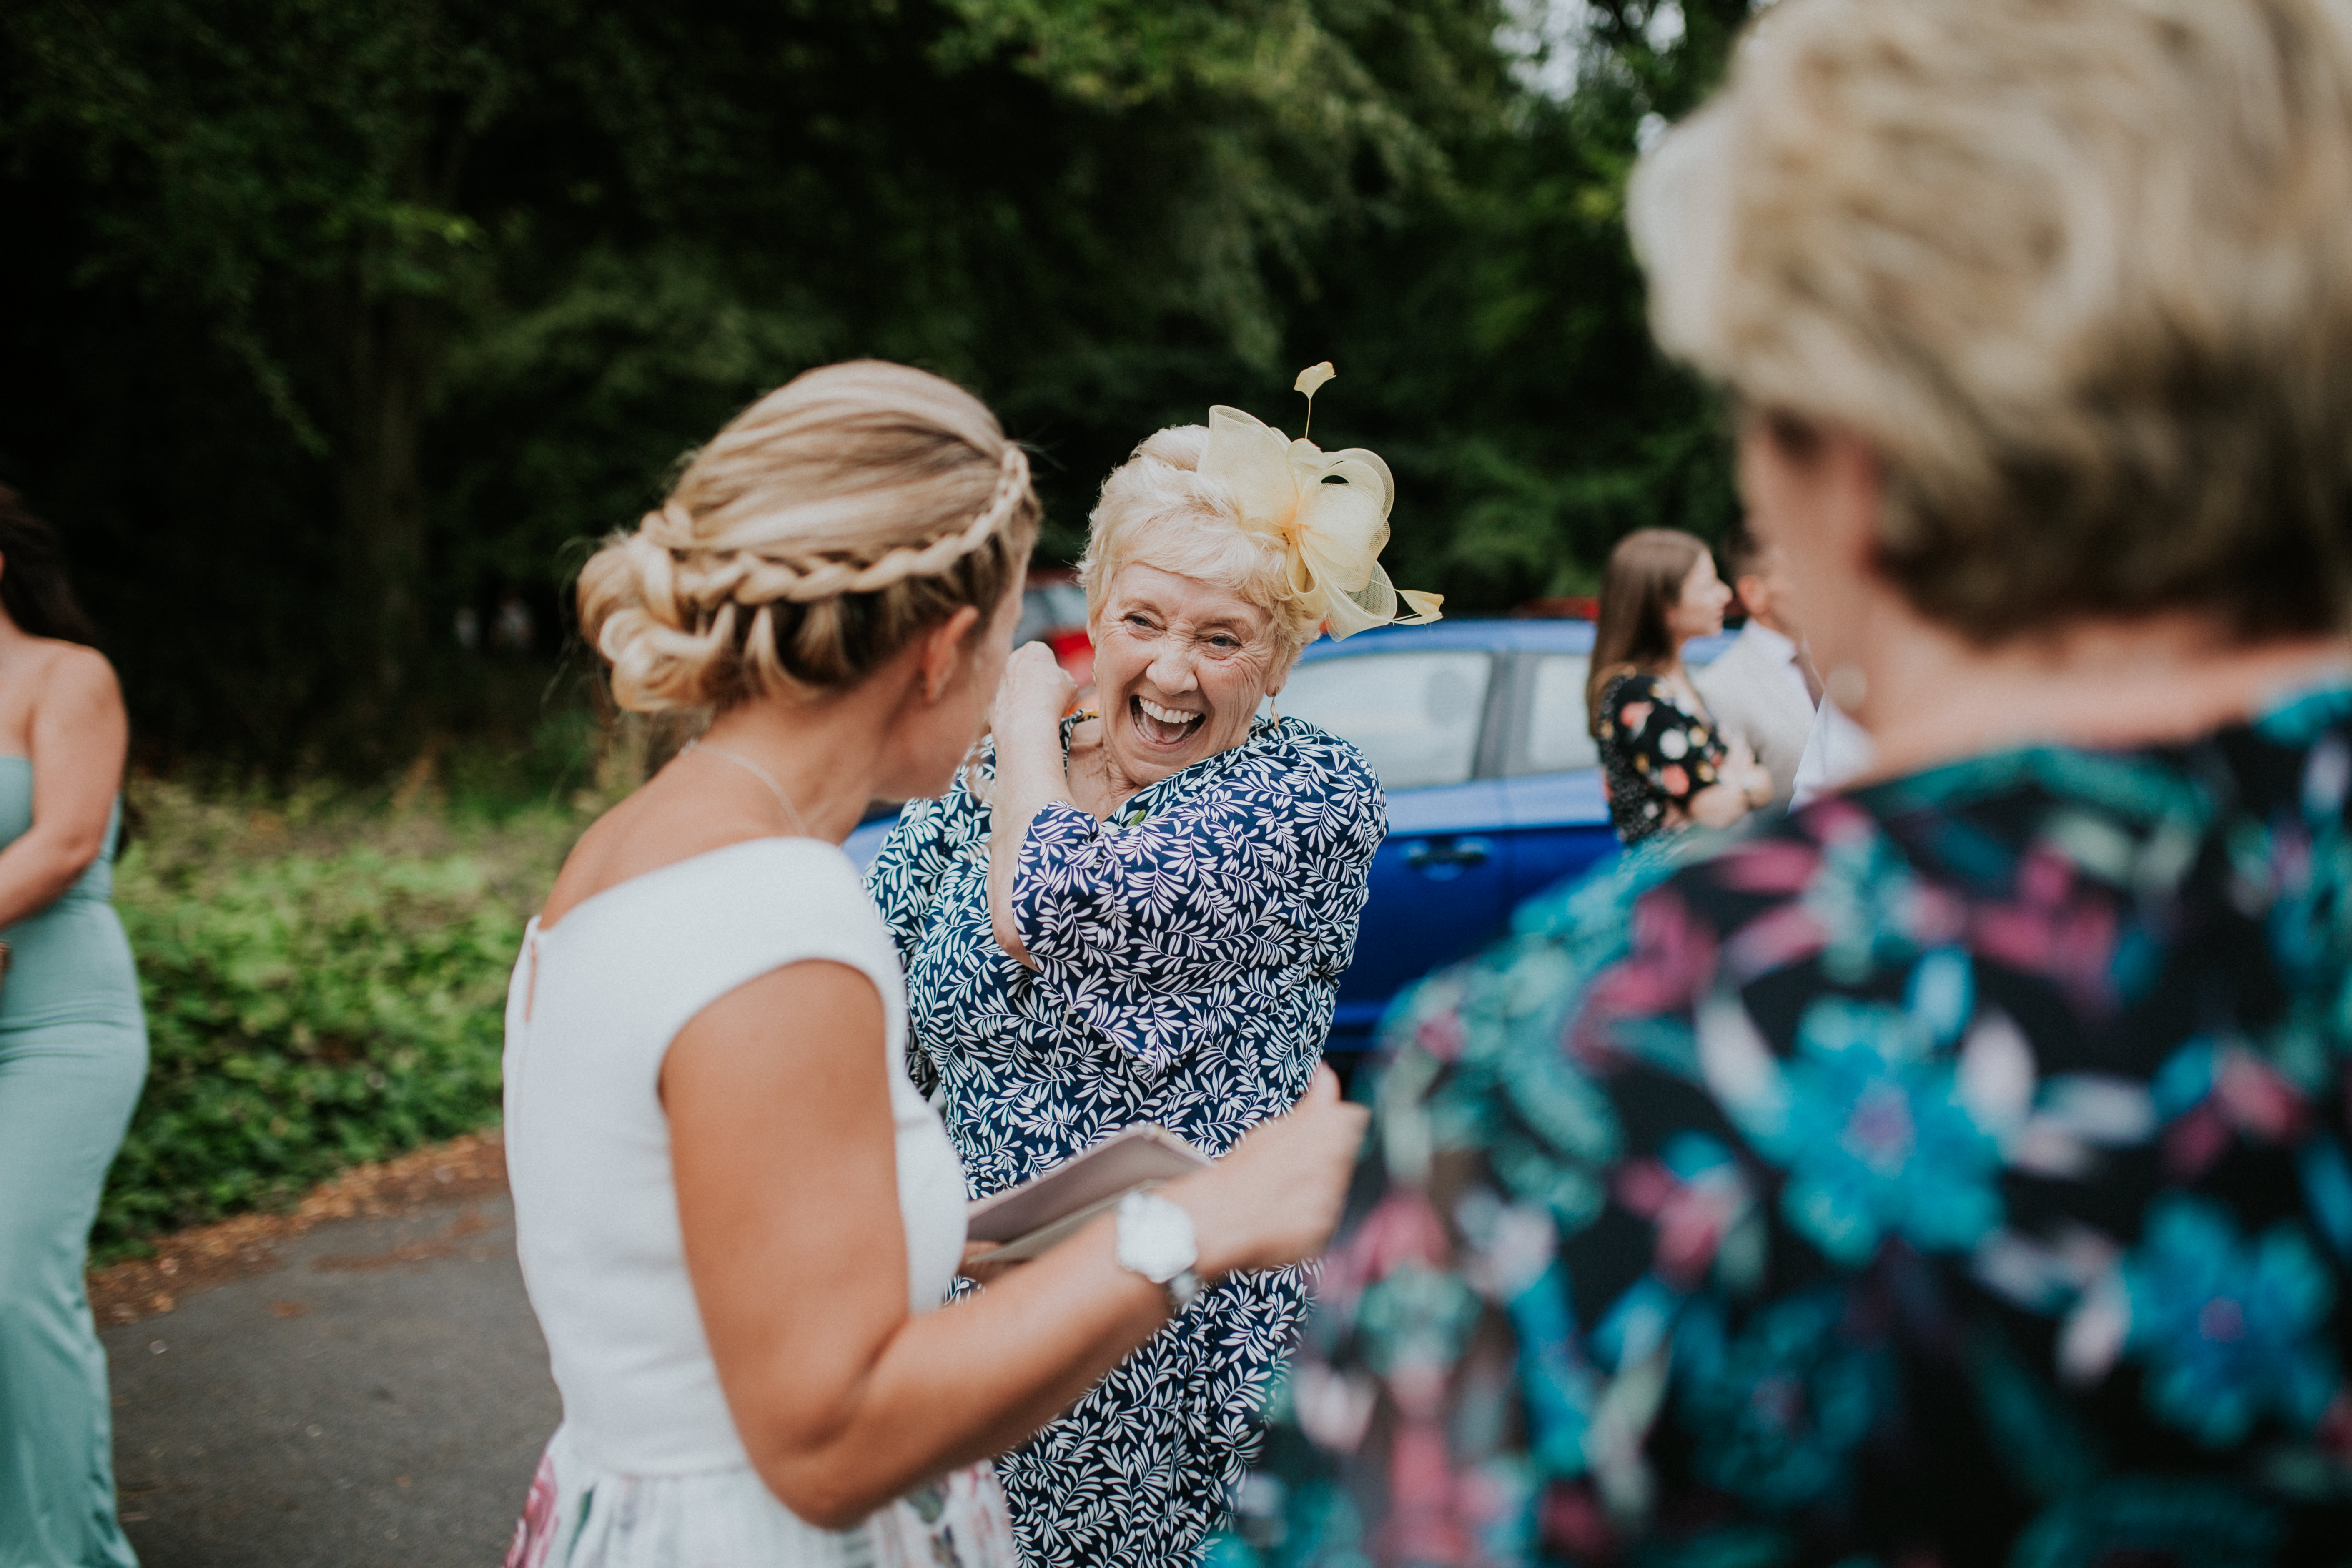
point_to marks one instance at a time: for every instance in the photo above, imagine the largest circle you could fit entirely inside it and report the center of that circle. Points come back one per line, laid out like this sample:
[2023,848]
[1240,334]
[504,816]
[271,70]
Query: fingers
[976,1265]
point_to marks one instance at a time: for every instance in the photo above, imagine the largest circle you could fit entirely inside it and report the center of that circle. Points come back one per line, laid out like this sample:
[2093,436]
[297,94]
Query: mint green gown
[73,1054]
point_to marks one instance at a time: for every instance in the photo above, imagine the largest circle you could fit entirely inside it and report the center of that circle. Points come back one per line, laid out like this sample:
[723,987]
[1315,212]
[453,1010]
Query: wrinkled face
[1697,611]
[1181,666]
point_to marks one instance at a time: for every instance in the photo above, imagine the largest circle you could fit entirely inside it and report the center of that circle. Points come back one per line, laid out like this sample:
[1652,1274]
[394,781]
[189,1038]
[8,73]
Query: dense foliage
[334,321]
[324,983]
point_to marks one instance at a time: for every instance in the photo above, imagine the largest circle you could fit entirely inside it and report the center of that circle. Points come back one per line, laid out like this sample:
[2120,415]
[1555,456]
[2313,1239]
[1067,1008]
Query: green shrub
[324,985]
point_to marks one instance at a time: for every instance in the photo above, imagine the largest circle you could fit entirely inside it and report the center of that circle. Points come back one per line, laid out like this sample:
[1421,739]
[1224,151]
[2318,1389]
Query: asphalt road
[381,1398]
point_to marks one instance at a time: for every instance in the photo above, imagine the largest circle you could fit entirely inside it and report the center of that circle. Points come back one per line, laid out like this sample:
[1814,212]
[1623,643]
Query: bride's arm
[787,1191]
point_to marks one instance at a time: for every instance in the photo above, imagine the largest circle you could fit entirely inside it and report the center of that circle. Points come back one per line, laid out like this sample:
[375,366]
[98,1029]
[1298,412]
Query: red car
[1054,612]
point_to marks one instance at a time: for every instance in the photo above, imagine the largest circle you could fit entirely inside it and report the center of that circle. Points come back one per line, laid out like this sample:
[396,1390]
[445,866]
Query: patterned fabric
[1953,1172]
[1655,753]
[1189,955]
[580,1516]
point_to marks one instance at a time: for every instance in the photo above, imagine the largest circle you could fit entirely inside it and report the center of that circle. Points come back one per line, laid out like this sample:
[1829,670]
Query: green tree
[336,315]
[292,175]
[490,269]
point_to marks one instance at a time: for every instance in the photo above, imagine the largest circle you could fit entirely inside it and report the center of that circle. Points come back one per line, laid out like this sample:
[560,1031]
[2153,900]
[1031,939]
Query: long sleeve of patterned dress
[1956,1171]
[1149,932]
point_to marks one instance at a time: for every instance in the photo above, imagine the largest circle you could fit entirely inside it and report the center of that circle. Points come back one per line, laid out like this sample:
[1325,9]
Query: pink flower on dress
[1403,1229]
[2060,928]
[535,1534]
[1674,779]
[1692,1216]
[1432,1508]
[1672,961]
[1768,865]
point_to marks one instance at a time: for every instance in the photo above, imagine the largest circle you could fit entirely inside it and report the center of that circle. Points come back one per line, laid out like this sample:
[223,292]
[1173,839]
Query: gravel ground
[380,1396]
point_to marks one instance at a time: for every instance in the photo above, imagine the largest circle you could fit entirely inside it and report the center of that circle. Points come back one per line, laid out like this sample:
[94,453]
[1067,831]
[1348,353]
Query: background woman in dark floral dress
[1956,1171]
[1664,764]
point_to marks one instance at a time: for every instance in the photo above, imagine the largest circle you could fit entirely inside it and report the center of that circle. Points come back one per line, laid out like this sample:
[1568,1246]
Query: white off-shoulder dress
[646,1470]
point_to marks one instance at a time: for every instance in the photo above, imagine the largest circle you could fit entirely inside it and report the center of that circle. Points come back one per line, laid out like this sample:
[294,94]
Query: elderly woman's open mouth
[1161,726]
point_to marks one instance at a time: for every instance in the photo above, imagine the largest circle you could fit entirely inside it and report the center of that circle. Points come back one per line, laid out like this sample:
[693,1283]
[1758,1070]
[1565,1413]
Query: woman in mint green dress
[73,1054]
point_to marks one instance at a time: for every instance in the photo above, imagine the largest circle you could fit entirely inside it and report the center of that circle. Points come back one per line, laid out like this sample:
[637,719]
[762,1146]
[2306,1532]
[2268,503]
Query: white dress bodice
[591,1012]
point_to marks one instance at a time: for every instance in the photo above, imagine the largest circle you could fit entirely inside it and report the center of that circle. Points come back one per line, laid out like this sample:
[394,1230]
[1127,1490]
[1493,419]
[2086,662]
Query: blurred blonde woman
[735,1213]
[1141,914]
[1955,1170]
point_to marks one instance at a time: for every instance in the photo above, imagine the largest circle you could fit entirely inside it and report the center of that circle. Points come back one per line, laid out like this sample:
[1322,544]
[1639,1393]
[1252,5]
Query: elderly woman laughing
[1141,914]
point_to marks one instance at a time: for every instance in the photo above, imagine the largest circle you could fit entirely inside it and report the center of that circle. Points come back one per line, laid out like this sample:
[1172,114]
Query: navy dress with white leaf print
[1189,953]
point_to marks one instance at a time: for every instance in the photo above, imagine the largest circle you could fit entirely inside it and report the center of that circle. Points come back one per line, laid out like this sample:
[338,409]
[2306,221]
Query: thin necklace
[756,771]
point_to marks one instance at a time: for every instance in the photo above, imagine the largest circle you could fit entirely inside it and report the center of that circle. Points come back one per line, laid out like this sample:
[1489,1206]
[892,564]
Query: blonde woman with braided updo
[734,1211]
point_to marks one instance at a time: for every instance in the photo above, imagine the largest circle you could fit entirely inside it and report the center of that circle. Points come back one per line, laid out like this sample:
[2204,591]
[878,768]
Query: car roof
[1498,635]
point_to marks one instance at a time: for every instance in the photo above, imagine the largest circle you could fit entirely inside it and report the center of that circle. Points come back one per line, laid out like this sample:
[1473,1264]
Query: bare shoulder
[71,673]
[59,687]
[666,821]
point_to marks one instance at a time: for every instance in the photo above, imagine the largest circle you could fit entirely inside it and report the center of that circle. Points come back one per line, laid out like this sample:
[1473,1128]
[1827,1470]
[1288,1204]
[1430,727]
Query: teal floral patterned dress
[1951,1172]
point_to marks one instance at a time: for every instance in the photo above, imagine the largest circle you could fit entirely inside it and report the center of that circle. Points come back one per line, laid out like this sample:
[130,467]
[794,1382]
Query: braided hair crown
[811,540]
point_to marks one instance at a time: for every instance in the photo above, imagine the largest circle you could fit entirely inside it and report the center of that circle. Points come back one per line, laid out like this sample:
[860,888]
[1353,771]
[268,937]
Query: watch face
[1155,1237]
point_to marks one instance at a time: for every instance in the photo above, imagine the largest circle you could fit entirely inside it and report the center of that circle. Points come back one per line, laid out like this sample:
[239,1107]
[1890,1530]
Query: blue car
[1477,732]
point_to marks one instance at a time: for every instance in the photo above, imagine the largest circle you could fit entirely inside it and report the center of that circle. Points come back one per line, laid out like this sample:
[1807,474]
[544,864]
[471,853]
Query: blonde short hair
[817,534]
[1157,509]
[2081,273]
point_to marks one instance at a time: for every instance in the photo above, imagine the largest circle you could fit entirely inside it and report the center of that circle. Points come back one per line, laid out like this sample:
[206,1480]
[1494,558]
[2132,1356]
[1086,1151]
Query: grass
[324,969]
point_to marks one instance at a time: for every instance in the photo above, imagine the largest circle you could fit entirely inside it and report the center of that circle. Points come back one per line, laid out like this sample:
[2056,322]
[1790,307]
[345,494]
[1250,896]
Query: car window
[1414,715]
[1554,737]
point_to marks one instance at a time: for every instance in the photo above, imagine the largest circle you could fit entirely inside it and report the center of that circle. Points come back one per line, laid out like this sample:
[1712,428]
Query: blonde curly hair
[811,540]
[2081,274]
[1158,510]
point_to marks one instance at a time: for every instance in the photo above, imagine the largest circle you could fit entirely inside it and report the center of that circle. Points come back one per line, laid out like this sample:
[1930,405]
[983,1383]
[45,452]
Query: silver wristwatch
[1155,1240]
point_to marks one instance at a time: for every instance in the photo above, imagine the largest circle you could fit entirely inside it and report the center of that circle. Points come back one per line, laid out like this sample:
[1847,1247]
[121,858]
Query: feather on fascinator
[1328,509]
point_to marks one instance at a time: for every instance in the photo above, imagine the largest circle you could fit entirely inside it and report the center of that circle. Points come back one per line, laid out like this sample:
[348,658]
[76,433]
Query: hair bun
[815,535]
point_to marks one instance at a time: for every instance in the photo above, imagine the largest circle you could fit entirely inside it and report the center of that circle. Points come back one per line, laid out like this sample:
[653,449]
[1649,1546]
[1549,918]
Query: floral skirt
[580,1516]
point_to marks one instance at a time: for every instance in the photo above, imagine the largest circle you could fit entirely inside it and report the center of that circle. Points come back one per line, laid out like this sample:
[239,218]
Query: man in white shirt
[1838,749]
[1761,690]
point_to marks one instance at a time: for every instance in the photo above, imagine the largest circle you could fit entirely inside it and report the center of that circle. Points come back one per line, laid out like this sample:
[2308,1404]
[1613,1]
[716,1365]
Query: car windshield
[1414,715]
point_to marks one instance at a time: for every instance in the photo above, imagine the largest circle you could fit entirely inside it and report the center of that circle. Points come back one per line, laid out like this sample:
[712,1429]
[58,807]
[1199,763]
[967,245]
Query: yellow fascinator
[1329,509]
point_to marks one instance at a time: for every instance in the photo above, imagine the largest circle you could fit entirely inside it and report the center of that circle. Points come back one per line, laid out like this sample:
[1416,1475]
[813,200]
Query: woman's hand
[1746,787]
[1277,1197]
[1034,694]
[1754,779]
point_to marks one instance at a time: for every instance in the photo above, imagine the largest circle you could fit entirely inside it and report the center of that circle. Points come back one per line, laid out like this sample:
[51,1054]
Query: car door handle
[1455,854]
